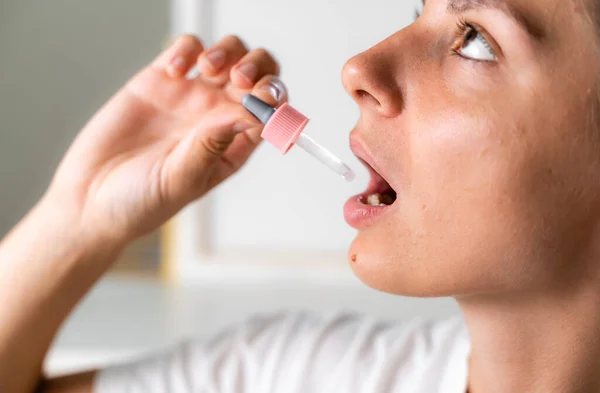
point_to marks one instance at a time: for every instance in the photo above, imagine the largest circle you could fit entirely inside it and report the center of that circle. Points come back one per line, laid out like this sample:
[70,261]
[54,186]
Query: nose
[372,80]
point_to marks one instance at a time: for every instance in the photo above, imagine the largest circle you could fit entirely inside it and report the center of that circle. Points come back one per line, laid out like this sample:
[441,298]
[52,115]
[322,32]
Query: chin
[429,267]
[383,267]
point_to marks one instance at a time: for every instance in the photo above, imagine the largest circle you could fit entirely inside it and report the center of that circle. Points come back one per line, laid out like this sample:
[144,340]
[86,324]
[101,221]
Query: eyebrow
[456,6]
[460,6]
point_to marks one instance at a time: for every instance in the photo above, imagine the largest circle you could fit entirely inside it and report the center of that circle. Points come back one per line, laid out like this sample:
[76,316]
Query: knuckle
[189,40]
[235,41]
[262,52]
[266,55]
[215,146]
[268,59]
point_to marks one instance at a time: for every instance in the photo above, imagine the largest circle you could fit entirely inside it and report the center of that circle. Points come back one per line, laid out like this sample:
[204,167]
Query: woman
[480,119]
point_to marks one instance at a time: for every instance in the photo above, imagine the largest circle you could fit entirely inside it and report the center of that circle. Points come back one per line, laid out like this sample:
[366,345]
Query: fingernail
[249,71]
[275,89]
[241,126]
[272,91]
[176,67]
[216,59]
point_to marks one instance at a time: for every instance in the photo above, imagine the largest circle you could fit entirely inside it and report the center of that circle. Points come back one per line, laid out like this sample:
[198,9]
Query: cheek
[466,218]
[497,192]
[463,170]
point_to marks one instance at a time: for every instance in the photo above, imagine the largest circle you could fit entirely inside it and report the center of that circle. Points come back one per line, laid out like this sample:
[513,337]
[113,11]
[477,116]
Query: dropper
[284,128]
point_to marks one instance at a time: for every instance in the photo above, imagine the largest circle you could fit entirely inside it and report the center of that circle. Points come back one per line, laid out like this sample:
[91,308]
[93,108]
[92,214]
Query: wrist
[71,236]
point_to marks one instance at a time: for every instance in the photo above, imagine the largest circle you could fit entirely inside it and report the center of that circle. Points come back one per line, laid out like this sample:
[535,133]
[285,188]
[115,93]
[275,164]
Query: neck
[543,342]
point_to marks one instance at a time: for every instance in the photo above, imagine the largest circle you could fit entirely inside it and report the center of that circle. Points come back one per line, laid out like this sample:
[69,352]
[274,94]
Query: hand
[165,140]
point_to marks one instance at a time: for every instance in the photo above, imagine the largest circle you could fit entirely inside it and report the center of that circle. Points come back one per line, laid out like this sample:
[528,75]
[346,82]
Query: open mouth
[378,200]
[379,192]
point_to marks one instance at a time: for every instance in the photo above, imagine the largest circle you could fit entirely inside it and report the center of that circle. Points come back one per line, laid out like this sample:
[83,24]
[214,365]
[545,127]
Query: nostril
[361,93]
[366,97]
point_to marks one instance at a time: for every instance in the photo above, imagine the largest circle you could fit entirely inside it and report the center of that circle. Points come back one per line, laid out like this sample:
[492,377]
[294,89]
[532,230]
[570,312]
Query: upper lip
[362,151]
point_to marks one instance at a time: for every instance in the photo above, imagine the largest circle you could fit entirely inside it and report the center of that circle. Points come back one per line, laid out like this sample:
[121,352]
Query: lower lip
[359,216]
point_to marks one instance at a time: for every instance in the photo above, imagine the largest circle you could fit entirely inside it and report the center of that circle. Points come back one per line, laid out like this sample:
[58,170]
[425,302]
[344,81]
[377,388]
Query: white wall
[59,61]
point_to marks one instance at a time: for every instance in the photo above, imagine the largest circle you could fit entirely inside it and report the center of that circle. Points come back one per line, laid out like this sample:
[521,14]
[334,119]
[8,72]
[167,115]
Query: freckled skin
[496,167]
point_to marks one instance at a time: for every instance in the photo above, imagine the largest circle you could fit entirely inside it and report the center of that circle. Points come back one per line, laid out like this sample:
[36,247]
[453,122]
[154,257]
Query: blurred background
[271,239]
[61,60]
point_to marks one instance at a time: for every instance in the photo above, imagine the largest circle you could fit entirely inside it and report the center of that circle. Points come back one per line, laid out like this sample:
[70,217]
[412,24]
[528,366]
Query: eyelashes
[465,30]
[472,43]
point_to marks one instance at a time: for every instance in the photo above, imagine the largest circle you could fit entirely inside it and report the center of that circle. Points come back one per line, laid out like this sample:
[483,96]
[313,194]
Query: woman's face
[481,116]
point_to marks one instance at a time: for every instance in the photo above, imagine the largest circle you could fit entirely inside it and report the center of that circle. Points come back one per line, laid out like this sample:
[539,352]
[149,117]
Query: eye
[475,47]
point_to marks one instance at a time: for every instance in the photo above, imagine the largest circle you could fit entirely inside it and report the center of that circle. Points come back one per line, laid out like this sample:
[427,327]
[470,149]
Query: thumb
[192,163]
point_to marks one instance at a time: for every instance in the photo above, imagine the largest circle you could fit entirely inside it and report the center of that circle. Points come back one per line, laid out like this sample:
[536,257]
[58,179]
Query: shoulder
[298,352]
[336,352]
[333,334]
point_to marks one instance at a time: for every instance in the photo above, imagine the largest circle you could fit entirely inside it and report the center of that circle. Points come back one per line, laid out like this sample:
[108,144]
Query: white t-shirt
[305,353]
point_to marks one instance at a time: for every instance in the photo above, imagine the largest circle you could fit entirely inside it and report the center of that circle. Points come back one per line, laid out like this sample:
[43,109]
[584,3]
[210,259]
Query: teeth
[379,200]
[375,200]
